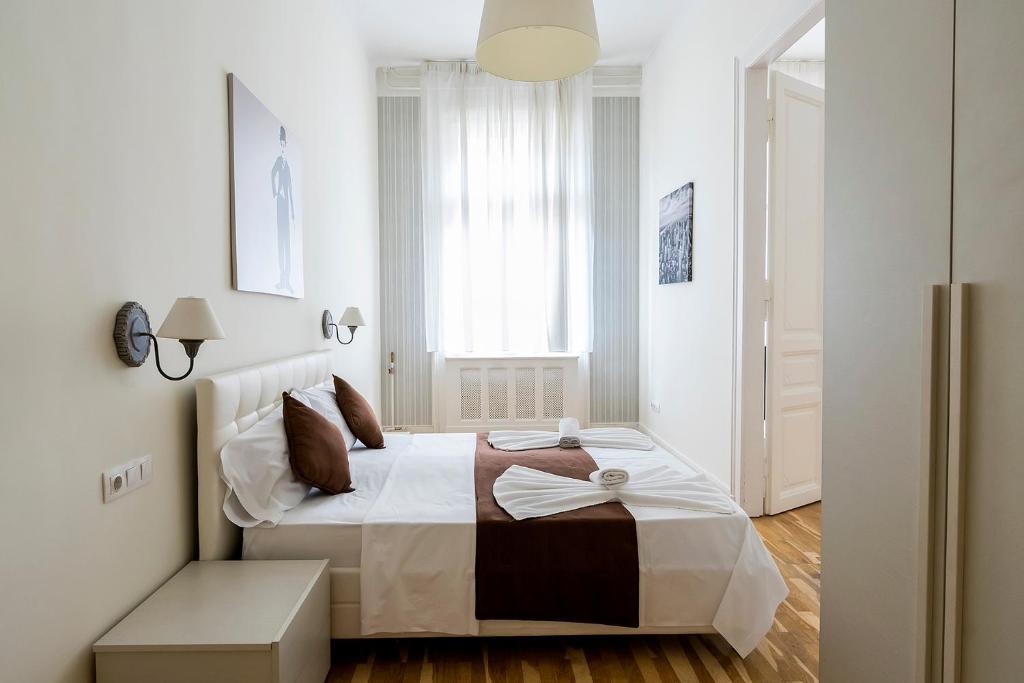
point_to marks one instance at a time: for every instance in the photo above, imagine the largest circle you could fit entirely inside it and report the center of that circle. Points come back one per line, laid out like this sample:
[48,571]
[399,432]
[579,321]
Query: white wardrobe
[923,446]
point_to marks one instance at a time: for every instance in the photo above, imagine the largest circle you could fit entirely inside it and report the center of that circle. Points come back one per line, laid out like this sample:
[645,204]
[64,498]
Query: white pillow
[254,465]
[323,400]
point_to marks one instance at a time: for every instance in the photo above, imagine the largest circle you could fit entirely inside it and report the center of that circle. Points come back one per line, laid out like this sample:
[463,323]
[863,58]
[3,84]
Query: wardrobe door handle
[931,383]
[959,311]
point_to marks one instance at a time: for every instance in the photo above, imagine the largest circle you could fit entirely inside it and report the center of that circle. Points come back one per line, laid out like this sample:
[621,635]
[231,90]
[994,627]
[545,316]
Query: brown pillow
[358,414]
[316,448]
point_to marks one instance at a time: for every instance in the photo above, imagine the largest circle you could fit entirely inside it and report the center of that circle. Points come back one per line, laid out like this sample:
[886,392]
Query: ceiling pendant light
[537,40]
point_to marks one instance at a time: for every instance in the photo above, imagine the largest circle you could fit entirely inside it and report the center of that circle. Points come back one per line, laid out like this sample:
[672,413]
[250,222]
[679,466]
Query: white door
[795,276]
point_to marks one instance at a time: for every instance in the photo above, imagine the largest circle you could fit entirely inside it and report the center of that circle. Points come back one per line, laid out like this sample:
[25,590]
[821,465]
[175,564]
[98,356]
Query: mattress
[329,527]
[408,532]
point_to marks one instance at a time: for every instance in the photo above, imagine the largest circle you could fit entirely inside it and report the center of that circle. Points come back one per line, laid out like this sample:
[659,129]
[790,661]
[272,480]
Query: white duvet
[419,544]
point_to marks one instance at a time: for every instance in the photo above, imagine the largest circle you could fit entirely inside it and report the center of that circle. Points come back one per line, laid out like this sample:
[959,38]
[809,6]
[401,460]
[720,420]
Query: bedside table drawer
[193,666]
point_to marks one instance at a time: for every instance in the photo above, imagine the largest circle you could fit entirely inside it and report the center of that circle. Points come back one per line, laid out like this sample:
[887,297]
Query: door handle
[959,310]
[931,384]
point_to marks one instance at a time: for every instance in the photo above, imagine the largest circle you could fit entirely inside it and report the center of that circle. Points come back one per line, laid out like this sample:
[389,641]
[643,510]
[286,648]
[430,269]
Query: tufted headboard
[226,405]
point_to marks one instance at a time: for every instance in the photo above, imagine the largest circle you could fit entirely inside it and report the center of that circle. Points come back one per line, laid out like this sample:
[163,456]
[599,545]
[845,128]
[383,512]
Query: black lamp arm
[191,349]
[351,332]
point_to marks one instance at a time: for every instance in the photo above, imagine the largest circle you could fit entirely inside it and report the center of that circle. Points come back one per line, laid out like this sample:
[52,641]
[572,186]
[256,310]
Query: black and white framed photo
[266,198]
[675,236]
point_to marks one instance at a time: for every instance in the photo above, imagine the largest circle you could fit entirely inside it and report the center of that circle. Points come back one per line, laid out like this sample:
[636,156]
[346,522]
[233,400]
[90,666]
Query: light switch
[147,469]
[133,476]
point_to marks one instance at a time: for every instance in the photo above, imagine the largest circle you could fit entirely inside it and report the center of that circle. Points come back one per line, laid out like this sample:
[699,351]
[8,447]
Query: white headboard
[226,405]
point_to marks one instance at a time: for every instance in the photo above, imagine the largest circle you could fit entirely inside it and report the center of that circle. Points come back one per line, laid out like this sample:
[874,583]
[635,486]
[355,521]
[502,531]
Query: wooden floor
[788,653]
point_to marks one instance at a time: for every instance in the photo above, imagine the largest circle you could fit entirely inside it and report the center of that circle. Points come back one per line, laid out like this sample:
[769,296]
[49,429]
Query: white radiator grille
[497,394]
[469,387]
[553,399]
[526,394]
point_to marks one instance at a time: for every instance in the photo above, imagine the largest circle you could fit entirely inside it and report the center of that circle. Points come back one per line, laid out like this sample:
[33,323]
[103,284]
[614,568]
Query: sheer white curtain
[507,192]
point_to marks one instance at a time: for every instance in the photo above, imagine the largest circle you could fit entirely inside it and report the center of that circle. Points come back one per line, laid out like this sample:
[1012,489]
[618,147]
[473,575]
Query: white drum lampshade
[191,318]
[537,40]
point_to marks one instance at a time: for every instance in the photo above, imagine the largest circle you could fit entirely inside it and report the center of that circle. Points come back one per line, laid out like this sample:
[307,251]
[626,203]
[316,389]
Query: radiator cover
[514,393]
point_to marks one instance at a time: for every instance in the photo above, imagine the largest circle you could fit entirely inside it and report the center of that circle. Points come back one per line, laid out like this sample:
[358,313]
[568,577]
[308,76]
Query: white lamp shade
[537,40]
[352,318]
[191,318]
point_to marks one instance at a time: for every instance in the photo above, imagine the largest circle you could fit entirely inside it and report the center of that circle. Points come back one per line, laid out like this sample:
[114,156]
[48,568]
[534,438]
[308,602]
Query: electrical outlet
[126,477]
[656,406]
[113,485]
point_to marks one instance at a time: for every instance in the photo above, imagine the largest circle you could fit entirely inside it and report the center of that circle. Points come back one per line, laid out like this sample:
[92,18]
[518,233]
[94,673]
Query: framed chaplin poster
[266,198]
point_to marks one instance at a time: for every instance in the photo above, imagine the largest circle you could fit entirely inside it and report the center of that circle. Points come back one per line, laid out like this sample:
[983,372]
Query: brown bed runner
[579,566]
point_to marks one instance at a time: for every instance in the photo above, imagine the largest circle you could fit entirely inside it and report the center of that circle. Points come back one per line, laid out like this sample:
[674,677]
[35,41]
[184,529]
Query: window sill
[509,356]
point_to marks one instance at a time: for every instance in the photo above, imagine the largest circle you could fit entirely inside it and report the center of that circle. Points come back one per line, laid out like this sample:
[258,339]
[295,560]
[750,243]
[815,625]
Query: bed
[413,515]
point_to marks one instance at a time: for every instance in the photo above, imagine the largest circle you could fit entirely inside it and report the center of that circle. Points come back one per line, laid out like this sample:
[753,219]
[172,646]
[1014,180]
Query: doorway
[780,267]
[794,273]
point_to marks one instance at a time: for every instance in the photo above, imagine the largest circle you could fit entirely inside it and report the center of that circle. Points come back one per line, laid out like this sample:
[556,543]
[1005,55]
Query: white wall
[114,183]
[687,134]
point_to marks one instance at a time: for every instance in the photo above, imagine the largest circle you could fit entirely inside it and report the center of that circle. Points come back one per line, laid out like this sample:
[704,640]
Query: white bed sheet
[329,527]
[419,543]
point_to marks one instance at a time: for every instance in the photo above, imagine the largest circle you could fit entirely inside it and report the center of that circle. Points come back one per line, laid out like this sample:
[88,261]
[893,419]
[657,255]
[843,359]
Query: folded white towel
[522,441]
[610,476]
[598,437]
[615,437]
[569,432]
[526,493]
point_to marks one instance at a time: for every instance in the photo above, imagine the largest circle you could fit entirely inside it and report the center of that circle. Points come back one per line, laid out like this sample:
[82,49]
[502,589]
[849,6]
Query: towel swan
[525,493]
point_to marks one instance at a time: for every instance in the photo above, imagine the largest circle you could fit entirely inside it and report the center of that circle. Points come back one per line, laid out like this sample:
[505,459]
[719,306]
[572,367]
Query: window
[507,212]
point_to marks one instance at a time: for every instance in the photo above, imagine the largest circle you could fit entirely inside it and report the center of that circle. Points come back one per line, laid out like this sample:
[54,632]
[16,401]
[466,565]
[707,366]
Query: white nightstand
[247,621]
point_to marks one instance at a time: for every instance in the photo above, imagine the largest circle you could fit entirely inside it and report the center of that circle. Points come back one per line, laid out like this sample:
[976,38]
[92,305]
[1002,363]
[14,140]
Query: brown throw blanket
[580,566]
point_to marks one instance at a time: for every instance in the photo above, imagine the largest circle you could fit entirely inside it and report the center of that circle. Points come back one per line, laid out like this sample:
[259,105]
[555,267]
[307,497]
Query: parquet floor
[788,653]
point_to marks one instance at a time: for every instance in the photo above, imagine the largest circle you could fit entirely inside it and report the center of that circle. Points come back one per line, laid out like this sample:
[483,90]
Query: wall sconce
[191,321]
[351,319]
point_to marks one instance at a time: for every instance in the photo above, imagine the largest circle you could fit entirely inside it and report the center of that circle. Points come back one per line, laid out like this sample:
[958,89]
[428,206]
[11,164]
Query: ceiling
[811,47]
[397,32]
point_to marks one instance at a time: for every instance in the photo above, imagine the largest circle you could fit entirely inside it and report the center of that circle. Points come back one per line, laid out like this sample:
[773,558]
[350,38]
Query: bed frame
[229,403]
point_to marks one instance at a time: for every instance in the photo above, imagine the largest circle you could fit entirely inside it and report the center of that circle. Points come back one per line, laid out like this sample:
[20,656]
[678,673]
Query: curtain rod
[625,78]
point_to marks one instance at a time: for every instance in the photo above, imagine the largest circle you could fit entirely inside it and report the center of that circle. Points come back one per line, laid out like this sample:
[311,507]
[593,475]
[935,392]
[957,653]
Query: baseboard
[689,463]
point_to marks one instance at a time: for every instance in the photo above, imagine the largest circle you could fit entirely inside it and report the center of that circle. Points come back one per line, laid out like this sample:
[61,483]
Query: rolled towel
[610,476]
[568,433]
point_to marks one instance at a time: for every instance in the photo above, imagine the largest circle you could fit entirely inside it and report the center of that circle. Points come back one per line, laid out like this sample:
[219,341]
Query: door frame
[749,239]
